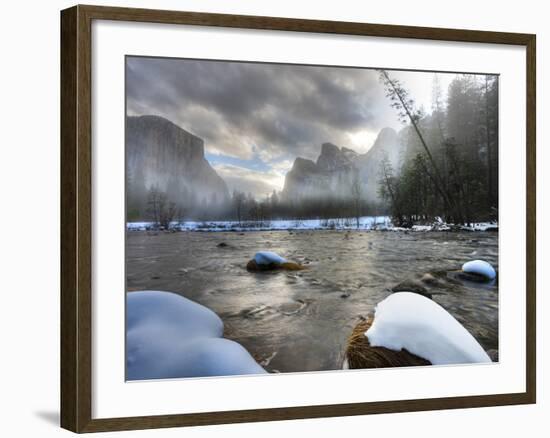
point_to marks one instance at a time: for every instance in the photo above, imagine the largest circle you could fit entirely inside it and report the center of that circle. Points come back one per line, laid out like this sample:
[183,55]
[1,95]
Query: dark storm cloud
[279,110]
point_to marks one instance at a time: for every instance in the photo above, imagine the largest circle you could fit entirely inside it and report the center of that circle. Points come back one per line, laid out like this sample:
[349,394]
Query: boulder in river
[478,270]
[169,336]
[270,261]
[361,354]
[268,257]
[409,322]
[410,330]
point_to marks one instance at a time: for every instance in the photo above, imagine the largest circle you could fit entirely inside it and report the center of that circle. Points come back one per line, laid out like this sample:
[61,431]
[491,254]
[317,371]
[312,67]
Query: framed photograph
[271,218]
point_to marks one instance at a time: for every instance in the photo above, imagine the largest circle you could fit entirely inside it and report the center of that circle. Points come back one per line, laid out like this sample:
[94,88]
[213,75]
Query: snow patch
[422,228]
[268,258]
[480,267]
[366,223]
[406,320]
[169,336]
[481,226]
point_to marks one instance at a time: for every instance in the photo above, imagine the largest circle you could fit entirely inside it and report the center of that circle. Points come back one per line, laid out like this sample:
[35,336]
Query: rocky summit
[336,170]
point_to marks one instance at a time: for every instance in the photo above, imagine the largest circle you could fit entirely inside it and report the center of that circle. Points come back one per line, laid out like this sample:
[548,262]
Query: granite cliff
[161,154]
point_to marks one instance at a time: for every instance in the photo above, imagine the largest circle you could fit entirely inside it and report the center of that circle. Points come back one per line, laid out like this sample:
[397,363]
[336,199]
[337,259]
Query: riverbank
[365,223]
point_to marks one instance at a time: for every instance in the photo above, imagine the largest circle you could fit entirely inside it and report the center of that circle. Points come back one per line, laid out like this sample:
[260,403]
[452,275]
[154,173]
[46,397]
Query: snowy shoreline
[366,223]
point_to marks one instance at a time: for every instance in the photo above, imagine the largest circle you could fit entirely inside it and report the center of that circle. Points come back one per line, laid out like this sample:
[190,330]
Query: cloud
[256,118]
[283,110]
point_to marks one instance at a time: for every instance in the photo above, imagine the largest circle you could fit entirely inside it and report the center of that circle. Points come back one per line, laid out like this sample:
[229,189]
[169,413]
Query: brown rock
[360,354]
[252,266]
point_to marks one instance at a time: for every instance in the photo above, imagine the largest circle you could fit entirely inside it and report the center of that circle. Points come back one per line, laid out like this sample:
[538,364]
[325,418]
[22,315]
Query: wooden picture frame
[76,217]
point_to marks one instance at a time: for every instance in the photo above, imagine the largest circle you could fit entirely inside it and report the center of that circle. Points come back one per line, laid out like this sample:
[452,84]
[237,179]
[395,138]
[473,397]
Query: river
[300,321]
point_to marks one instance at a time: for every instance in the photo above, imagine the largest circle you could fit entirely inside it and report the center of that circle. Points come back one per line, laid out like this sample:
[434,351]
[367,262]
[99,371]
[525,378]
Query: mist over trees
[246,210]
[450,163]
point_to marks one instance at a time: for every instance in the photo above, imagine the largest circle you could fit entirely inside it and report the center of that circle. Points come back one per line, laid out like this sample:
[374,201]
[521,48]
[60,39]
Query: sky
[256,118]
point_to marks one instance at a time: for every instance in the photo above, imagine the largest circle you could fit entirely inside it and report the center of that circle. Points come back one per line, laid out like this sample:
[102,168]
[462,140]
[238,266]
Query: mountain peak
[333,173]
[303,165]
[333,158]
[329,149]
[386,135]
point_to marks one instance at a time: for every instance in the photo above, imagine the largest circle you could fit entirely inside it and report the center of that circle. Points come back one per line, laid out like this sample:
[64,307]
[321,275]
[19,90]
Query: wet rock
[475,278]
[252,266]
[291,266]
[269,261]
[412,286]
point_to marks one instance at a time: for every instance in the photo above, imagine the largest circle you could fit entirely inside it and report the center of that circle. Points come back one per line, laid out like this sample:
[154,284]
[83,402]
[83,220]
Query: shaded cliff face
[330,176]
[160,154]
[338,169]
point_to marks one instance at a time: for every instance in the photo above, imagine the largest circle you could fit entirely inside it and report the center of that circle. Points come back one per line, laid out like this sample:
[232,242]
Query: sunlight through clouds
[256,118]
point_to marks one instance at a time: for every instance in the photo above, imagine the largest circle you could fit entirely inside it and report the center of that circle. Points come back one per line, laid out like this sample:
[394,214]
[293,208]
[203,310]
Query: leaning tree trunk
[436,177]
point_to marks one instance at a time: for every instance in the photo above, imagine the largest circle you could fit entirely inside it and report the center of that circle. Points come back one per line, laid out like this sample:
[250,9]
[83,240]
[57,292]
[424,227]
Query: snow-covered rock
[480,267]
[268,258]
[406,320]
[169,336]
[270,261]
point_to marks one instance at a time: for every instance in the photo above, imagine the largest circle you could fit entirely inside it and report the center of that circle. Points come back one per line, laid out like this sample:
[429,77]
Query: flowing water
[300,321]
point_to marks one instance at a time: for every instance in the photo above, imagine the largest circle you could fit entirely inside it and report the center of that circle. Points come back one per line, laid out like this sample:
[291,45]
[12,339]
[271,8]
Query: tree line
[245,210]
[450,163]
